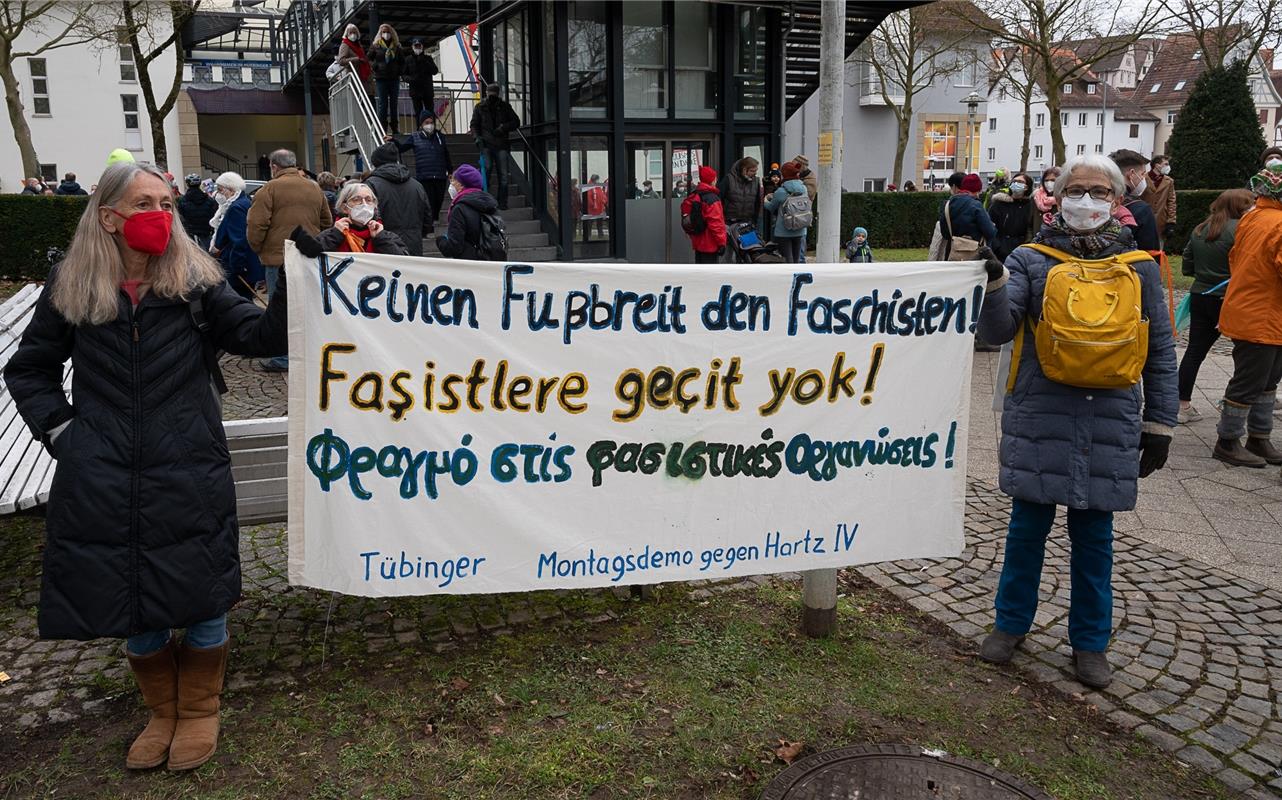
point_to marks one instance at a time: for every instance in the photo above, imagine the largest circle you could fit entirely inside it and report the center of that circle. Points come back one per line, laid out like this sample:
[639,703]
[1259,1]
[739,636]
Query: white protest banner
[472,427]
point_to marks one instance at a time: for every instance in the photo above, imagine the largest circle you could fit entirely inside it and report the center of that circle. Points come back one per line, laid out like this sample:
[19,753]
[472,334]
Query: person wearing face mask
[469,208]
[1063,445]
[419,71]
[1250,317]
[1014,215]
[493,123]
[240,263]
[1044,196]
[141,536]
[197,209]
[1160,195]
[1133,212]
[386,59]
[432,162]
[351,53]
[357,228]
[402,201]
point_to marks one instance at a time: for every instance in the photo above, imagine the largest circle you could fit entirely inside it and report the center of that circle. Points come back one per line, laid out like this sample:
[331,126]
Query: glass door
[661,172]
[686,157]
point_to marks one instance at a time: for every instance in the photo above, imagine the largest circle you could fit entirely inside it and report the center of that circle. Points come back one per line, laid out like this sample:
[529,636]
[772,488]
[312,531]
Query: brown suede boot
[157,676]
[200,683]
[1262,447]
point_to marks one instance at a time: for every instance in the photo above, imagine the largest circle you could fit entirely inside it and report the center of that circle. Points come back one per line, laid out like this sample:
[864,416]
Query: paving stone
[1235,780]
[1161,738]
[1200,758]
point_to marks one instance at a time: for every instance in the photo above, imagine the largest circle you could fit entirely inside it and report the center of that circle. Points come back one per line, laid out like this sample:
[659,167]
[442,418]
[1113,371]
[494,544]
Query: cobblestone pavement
[1198,645]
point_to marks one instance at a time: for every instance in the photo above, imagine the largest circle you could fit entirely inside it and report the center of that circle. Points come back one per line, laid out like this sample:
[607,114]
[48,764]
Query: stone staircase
[526,240]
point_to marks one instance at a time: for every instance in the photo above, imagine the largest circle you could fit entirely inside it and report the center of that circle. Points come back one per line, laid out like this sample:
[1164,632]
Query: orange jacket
[1252,308]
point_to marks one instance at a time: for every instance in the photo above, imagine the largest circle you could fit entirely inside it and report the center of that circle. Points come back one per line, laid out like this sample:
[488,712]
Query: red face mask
[147,231]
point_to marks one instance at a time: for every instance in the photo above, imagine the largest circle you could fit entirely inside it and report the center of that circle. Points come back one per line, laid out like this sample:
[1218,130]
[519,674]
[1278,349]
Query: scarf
[1045,202]
[220,213]
[462,193]
[358,240]
[1086,245]
[1268,183]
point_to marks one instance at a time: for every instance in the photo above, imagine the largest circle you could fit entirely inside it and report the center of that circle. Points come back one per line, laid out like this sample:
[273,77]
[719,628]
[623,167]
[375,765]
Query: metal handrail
[364,125]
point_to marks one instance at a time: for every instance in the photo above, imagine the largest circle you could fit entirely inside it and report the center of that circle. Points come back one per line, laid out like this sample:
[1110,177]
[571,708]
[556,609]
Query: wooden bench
[257,446]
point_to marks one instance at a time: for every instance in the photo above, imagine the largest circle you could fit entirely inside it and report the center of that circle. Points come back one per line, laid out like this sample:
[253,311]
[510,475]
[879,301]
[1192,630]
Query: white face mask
[1273,163]
[453,191]
[1166,169]
[1018,188]
[221,199]
[1085,213]
[387,37]
[418,50]
[429,128]
[1138,189]
[361,215]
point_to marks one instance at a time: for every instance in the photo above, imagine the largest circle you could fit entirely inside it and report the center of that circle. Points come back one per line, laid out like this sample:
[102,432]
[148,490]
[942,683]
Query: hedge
[35,230]
[907,219]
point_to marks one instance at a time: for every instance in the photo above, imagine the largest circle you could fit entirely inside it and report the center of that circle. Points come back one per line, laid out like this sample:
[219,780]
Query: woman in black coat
[468,204]
[1014,214]
[141,533]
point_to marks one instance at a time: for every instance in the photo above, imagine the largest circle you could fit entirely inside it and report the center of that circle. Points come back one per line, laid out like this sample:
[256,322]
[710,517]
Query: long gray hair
[87,288]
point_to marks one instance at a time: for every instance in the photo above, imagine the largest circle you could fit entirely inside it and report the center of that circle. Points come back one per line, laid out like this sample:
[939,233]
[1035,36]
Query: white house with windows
[81,102]
[1095,118]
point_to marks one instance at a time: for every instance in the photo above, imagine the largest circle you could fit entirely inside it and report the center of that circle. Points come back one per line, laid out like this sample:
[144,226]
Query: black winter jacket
[740,197]
[69,187]
[387,243]
[141,532]
[402,205]
[1016,222]
[418,72]
[385,62]
[196,210]
[463,233]
[431,154]
[1145,227]
[493,122]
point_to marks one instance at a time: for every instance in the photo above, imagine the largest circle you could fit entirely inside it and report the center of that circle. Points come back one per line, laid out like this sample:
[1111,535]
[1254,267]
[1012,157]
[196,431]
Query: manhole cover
[895,772]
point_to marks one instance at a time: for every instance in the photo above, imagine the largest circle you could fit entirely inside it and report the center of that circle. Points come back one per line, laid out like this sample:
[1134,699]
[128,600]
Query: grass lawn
[678,698]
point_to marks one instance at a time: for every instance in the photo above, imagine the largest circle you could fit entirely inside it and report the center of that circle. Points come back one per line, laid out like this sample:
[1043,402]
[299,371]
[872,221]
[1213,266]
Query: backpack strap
[196,307]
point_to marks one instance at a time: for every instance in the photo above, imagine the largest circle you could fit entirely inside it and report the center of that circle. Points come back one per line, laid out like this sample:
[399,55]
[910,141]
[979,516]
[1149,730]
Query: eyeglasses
[361,201]
[1096,192]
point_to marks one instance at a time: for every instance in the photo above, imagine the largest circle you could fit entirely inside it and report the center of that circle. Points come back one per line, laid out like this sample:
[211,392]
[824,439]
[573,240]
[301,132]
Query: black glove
[1154,448]
[1168,230]
[992,264]
[307,244]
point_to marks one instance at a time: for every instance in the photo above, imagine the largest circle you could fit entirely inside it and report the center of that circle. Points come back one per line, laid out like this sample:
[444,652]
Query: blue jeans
[272,275]
[1090,614]
[210,633]
[496,173]
[387,98]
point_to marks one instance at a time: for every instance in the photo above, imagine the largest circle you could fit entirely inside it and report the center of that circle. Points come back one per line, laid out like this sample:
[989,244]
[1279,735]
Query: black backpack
[491,244]
[694,222]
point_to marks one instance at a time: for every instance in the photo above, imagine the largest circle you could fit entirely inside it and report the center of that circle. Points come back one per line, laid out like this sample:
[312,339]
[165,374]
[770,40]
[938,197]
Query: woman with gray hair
[141,534]
[356,228]
[1066,445]
[240,263]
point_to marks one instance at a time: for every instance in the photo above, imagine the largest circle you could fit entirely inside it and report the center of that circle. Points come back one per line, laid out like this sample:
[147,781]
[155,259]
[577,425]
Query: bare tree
[908,53]
[49,26]
[1222,26]
[144,23]
[1042,27]
[1014,75]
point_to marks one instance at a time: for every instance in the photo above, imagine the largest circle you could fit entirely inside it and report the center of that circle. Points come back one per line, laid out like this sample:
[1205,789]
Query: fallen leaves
[460,684]
[787,751]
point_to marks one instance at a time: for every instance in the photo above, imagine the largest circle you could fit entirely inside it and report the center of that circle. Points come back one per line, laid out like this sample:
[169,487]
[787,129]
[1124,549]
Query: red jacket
[713,237]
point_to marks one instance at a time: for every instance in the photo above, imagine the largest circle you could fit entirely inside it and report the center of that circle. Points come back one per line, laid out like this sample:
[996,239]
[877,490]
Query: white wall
[86,120]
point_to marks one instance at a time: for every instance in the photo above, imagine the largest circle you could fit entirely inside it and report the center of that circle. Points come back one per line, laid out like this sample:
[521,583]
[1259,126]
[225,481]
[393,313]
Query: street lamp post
[972,102]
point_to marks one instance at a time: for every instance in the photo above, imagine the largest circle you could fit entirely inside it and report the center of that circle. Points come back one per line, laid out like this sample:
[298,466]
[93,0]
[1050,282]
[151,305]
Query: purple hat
[469,176]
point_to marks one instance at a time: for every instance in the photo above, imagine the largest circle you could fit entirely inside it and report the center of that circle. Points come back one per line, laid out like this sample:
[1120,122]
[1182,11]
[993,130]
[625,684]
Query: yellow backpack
[1093,333]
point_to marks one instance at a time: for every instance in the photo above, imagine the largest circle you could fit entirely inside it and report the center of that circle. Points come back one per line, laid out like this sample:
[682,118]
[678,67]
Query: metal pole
[309,159]
[819,586]
[1103,125]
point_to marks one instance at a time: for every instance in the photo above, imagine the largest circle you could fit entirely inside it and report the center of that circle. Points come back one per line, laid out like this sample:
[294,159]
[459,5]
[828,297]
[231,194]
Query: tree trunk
[1028,131]
[17,115]
[904,120]
[1057,130]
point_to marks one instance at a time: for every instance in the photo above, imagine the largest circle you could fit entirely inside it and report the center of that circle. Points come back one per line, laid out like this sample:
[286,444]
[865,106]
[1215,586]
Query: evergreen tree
[1216,142]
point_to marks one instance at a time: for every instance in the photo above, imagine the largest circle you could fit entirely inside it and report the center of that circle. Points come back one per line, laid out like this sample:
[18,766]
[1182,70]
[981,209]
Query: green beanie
[120,156]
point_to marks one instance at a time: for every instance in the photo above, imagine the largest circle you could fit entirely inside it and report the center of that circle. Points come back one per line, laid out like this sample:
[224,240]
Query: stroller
[748,247]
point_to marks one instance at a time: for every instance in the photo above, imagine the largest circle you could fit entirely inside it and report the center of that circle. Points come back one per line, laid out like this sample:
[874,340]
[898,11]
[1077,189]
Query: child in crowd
[857,249]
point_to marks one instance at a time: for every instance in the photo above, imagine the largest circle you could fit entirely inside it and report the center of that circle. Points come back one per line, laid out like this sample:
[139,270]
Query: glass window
[646,211]
[874,184]
[645,59]
[1063,118]
[549,63]
[590,201]
[992,154]
[588,45]
[1090,88]
[1038,151]
[1081,149]
[1041,120]
[125,55]
[1099,118]
[967,68]
[1081,120]
[750,63]
[992,123]
[1171,116]
[48,172]
[129,102]
[939,148]
[1068,88]
[39,86]
[695,48]
[510,67]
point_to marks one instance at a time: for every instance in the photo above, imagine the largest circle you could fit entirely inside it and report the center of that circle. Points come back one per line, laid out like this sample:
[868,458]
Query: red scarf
[357,240]
[362,63]
[1156,177]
